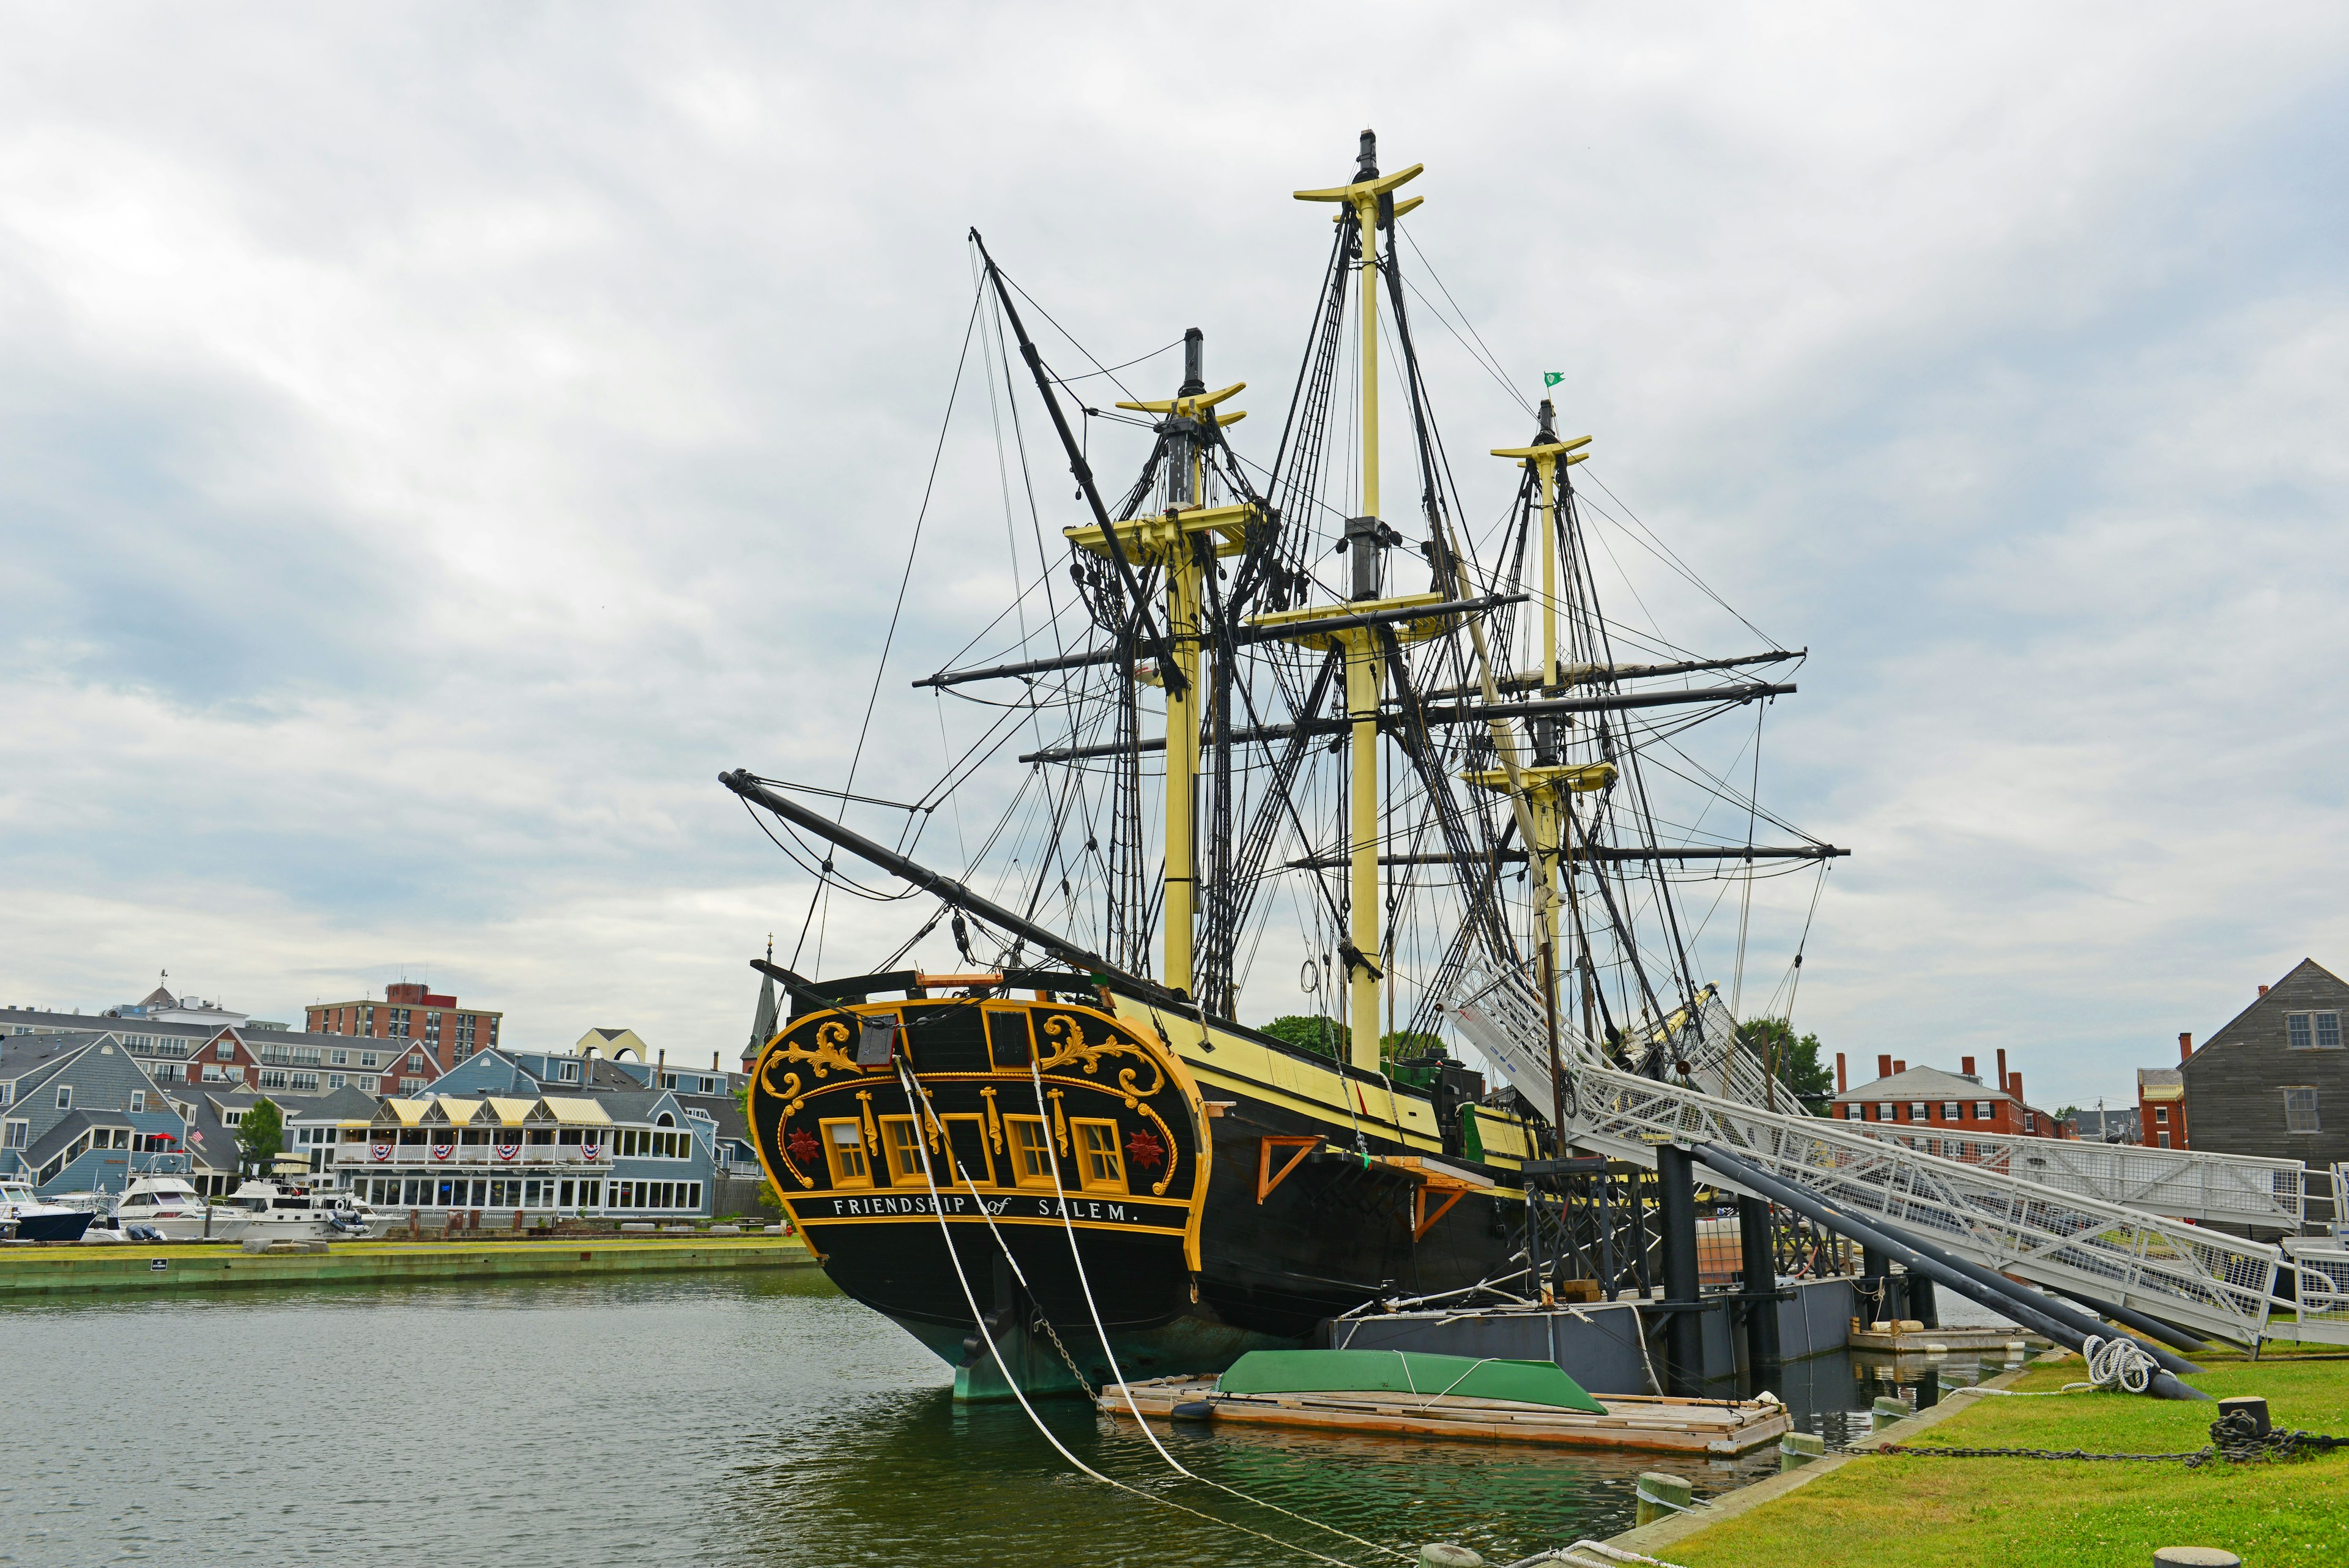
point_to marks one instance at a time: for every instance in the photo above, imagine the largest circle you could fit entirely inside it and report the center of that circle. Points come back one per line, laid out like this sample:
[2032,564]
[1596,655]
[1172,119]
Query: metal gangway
[2059,1224]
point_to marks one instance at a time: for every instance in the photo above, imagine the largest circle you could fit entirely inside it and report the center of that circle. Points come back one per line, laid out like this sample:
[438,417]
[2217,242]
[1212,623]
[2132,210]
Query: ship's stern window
[1007,1038]
[1031,1154]
[844,1151]
[902,1143]
[1101,1161]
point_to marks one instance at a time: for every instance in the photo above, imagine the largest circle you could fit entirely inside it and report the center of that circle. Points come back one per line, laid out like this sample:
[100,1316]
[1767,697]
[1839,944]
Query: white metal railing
[2187,1275]
[1503,1016]
[2187,1184]
[1503,1013]
[471,1155]
[2203,1279]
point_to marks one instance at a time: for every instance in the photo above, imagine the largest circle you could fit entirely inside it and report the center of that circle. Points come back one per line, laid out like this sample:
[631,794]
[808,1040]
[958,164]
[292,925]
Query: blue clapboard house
[79,1114]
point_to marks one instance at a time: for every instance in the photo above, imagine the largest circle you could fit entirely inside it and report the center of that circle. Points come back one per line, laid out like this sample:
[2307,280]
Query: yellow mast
[1548,786]
[1370,202]
[1170,539]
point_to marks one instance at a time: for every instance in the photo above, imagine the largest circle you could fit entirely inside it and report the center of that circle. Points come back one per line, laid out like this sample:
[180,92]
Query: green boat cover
[1404,1372]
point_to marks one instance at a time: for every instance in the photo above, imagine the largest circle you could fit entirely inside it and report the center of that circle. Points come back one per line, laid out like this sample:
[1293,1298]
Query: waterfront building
[419,1019]
[2274,1080]
[79,1114]
[1954,1102]
[616,1154]
[177,1049]
[710,1095]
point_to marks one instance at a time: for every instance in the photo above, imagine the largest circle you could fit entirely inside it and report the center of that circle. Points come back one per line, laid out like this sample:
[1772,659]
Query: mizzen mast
[1183,539]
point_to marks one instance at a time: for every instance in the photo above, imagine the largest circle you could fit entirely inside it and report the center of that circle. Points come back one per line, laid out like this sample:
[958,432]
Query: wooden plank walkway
[1648,1422]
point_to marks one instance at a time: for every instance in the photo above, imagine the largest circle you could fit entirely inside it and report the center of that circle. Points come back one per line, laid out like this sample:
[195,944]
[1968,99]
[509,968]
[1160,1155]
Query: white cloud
[432,444]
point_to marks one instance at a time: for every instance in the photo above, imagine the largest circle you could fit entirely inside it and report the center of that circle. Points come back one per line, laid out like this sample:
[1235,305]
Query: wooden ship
[1425,759]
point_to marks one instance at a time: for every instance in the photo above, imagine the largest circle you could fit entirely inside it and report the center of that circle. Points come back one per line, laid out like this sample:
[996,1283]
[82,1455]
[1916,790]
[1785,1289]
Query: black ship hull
[1259,1191]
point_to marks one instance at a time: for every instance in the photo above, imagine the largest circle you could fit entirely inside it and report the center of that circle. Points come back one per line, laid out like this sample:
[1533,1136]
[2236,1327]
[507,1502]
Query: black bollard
[1683,1332]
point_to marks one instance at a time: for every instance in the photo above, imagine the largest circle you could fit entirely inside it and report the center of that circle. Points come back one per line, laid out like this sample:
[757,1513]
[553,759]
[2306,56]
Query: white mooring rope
[915,1096]
[1077,1255]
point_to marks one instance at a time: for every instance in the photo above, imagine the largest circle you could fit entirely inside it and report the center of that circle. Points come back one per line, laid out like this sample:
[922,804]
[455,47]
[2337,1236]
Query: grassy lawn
[1901,1513]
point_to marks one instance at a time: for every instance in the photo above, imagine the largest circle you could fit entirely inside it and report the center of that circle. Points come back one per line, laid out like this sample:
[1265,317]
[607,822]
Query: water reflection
[750,1419]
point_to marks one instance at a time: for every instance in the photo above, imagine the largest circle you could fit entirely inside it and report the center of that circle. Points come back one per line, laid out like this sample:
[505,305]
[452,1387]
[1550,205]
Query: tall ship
[1246,719]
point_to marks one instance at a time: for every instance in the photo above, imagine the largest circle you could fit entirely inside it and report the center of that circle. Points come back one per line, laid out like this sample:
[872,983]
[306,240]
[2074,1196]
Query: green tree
[260,1137]
[1404,1043]
[1795,1061]
[1326,1035]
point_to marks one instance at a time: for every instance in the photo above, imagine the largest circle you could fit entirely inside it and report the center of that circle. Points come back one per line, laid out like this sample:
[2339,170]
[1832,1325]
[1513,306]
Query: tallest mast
[1369,202]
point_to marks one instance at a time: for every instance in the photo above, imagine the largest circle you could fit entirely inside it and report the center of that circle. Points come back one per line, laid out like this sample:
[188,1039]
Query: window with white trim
[65,1096]
[2313,1031]
[1981,1110]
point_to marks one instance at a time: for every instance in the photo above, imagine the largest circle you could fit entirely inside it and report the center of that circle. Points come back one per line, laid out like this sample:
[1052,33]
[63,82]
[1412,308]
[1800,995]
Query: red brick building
[1930,1098]
[2161,1099]
[417,1017]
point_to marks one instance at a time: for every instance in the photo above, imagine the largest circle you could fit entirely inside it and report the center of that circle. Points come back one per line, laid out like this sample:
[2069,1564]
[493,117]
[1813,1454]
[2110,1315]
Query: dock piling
[1758,1270]
[1796,1449]
[1683,1332]
[1664,1495]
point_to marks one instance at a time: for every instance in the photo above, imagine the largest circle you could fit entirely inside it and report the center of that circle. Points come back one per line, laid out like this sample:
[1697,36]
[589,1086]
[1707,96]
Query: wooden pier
[1913,1338]
[1648,1422]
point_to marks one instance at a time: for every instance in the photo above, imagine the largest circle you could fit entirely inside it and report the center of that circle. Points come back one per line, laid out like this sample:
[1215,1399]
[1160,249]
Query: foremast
[1183,540]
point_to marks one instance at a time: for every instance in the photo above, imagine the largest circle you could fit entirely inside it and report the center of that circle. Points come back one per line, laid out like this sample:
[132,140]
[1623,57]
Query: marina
[1460,820]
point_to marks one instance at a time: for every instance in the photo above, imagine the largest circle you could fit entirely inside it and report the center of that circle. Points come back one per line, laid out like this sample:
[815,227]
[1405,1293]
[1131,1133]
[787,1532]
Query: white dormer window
[569,1074]
[138,1099]
[232,1118]
[65,1096]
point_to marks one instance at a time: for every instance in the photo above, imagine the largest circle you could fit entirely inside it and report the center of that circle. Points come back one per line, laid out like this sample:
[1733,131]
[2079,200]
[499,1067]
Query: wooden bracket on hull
[1428,1177]
[1267,1178]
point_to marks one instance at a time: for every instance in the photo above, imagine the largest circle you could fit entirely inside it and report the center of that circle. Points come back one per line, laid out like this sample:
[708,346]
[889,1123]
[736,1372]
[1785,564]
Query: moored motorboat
[37,1221]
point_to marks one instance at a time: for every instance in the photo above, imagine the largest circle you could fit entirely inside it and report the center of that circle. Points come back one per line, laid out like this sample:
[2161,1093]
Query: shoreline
[48,1272]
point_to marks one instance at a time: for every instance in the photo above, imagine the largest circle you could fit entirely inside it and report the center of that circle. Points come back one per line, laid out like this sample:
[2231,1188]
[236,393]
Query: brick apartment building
[417,1017]
[1957,1101]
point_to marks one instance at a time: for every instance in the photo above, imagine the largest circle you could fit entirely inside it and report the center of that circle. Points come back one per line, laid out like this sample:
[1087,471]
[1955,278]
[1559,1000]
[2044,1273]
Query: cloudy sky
[434,442]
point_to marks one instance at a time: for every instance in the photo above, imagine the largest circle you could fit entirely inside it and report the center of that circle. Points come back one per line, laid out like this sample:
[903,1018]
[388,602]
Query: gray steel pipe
[2031,1313]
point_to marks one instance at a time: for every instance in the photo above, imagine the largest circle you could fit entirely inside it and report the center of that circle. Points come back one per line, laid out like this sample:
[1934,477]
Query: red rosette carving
[1144,1151]
[803,1146]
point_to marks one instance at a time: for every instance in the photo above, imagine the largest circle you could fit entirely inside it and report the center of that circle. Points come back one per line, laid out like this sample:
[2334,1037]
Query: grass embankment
[1903,1512]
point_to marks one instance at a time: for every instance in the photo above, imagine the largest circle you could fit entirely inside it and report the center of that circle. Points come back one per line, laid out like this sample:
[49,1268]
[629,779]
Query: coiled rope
[2119,1361]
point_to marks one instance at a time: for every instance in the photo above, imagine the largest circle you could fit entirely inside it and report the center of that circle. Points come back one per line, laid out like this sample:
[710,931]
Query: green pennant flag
[1552,378]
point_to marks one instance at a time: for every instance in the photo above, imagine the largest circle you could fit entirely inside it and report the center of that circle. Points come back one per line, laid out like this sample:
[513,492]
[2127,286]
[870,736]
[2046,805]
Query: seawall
[29,1273]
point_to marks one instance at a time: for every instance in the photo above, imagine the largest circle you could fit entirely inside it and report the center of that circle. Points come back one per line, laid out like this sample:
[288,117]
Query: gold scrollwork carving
[1072,1046]
[783,1153]
[1135,1102]
[822,1056]
[994,1126]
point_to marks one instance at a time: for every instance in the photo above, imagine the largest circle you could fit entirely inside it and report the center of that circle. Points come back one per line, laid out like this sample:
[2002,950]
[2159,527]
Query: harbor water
[689,1419]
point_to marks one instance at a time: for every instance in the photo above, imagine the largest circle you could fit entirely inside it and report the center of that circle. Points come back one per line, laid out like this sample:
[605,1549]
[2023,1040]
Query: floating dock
[1915,1339]
[1714,1428]
[29,1272]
